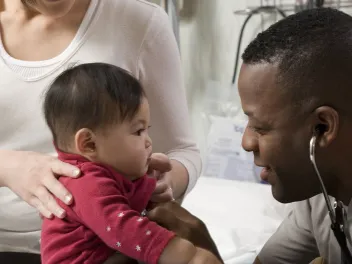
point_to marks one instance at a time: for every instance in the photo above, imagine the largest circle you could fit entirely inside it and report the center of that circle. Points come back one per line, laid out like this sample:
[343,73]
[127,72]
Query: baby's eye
[139,132]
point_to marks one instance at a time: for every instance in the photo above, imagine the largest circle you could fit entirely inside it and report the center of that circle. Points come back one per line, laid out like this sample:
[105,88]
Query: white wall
[209,38]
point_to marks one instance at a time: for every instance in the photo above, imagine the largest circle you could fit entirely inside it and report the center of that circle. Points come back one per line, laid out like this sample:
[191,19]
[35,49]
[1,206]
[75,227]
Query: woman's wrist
[4,163]
[179,178]
[2,182]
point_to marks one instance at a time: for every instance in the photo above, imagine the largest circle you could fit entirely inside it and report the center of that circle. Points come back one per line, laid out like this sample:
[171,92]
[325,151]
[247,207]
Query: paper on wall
[225,157]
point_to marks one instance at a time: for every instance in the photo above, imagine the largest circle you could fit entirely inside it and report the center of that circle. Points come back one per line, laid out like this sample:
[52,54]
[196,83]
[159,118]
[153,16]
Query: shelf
[291,8]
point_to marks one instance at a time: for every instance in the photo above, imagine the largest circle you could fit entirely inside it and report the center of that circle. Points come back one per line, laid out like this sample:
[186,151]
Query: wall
[209,40]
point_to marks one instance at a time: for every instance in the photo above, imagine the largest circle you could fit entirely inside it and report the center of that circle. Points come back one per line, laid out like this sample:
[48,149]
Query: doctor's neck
[341,188]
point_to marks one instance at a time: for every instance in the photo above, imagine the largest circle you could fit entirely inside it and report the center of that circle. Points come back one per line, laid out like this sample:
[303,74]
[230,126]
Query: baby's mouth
[149,158]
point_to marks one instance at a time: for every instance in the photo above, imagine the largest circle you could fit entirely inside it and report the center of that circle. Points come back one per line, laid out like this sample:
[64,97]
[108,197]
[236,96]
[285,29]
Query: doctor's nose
[249,141]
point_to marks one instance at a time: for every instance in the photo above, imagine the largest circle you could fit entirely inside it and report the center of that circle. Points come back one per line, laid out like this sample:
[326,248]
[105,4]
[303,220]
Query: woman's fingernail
[76,172]
[68,199]
[61,213]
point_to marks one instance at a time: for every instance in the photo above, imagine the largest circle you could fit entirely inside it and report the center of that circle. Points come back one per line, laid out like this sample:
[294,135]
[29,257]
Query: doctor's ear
[326,125]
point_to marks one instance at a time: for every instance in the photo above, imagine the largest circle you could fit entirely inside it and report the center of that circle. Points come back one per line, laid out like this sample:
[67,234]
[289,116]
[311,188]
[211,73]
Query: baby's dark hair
[92,95]
[312,51]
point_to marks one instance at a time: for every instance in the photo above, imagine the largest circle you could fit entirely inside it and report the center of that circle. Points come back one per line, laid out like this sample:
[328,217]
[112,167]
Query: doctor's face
[277,134]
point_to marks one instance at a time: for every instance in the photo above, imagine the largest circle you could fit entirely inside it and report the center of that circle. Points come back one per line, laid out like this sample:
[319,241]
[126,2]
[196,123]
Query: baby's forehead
[143,111]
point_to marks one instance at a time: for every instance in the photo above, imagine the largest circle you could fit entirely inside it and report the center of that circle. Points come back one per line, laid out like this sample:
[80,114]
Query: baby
[99,117]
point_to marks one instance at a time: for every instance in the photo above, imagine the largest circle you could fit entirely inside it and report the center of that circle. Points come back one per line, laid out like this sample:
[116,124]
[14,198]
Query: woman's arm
[159,69]
[180,179]
[2,167]
[32,177]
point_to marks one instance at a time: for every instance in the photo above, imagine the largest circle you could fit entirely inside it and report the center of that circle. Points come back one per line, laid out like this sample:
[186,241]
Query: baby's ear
[85,141]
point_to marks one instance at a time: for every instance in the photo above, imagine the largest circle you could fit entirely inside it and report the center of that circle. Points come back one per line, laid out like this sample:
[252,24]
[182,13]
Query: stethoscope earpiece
[320,129]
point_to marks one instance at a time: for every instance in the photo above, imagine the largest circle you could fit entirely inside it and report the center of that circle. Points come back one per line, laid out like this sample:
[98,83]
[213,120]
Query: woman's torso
[114,34]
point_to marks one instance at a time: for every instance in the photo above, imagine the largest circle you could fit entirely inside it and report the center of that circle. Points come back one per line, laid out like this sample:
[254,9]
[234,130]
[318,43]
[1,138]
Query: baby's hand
[163,191]
[159,168]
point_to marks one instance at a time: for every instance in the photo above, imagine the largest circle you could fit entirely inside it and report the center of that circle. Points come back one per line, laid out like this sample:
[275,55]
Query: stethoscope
[337,212]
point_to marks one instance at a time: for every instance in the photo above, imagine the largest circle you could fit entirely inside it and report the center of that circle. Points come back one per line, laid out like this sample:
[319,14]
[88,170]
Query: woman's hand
[164,189]
[159,167]
[177,219]
[33,177]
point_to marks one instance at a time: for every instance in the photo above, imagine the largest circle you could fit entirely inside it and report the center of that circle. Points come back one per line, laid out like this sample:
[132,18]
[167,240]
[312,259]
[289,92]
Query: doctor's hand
[177,219]
[159,167]
[119,258]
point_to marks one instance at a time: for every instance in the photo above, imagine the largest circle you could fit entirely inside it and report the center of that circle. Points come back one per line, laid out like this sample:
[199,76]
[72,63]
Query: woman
[40,38]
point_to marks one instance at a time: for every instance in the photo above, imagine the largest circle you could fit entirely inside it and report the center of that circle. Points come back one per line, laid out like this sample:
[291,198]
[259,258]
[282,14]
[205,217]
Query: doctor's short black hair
[92,95]
[312,50]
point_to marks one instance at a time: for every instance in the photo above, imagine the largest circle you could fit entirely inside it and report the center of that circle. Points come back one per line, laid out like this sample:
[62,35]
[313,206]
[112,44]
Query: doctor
[295,84]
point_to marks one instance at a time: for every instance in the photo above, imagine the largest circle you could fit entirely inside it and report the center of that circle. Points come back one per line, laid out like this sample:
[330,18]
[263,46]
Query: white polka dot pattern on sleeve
[118,244]
[108,229]
[138,248]
[144,213]
[140,219]
[121,214]
[148,233]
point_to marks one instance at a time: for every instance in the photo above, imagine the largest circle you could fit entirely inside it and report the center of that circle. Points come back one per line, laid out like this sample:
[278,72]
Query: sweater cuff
[193,165]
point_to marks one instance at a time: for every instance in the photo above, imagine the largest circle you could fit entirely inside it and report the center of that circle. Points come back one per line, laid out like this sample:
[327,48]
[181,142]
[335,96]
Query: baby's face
[127,147]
